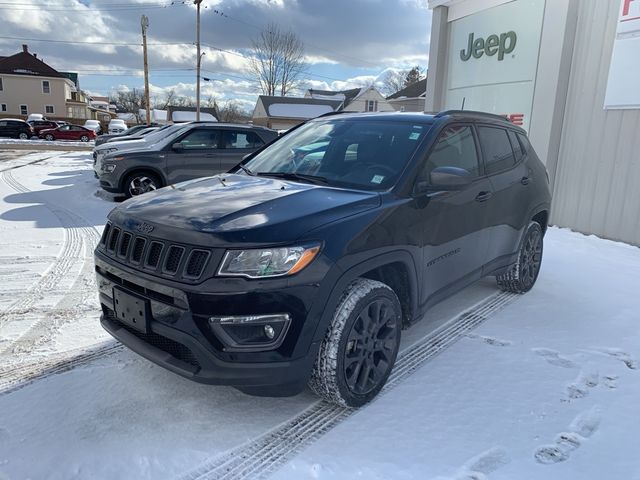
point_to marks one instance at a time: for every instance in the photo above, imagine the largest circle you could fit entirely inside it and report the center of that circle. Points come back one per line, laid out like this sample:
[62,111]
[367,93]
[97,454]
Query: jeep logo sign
[501,45]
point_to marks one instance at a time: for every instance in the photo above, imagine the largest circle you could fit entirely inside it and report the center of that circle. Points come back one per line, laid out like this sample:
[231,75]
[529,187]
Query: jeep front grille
[180,262]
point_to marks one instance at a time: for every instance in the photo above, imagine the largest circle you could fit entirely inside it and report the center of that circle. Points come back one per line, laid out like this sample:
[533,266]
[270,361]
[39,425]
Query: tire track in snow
[264,455]
[16,377]
[79,236]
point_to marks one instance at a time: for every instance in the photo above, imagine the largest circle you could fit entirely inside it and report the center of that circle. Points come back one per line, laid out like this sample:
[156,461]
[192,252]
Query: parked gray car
[187,151]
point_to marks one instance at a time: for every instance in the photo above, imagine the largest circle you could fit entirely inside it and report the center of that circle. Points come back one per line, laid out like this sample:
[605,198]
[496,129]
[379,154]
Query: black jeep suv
[303,263]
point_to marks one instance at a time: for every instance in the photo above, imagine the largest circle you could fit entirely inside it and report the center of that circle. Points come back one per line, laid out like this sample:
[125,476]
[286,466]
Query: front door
[455,239]
[196,155]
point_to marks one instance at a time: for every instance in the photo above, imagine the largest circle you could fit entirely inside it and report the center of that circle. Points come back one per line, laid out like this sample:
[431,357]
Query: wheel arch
[396,269]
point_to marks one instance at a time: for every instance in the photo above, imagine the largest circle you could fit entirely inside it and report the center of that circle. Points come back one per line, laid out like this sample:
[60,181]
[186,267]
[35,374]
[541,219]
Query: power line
[85,42]
[90,8]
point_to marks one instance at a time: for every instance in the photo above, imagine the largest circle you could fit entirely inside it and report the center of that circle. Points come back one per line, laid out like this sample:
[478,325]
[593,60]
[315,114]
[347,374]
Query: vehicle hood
[139,144]
[240,209]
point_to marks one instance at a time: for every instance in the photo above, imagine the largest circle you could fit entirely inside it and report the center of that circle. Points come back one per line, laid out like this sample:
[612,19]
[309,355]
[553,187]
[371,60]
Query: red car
[68,132]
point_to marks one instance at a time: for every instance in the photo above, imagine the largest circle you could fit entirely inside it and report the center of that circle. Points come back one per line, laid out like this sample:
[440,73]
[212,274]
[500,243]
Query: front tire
[360,348]
[49,137]
[23,136]
[522,276]
[141,182]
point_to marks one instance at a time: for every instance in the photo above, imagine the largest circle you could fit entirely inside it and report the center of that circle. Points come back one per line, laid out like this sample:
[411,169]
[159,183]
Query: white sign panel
[623,86]
[493,60]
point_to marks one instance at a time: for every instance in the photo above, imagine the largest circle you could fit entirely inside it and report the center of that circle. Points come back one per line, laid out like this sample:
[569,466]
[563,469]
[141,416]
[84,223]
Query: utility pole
[144,23]
[198,2]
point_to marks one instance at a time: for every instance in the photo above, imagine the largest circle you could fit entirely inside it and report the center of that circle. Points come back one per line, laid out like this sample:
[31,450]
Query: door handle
[483,196]
[525,180]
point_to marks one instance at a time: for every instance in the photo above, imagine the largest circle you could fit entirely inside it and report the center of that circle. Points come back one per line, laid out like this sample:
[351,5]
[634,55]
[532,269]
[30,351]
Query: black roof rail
[472,113]
[329,114]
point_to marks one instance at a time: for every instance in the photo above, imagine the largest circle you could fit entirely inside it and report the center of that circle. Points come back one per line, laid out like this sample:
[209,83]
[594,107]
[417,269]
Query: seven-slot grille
[155,256]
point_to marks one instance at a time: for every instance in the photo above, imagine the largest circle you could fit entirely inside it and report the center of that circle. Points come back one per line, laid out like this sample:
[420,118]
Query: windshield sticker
[377,179]
[414,135]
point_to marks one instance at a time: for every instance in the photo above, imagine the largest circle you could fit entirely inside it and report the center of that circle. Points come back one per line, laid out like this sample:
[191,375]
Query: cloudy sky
[348,43]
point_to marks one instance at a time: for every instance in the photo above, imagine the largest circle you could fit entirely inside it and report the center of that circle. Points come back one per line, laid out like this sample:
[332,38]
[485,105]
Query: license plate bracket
[132,310]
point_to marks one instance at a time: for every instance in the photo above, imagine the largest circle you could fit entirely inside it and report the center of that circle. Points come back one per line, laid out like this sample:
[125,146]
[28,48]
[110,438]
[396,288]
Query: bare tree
[232,113]
[277,60]
[393,82]
[131,101]
[414,75]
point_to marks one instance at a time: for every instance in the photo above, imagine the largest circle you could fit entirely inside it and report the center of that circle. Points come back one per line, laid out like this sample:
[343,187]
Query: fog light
[251,332]
[269,332]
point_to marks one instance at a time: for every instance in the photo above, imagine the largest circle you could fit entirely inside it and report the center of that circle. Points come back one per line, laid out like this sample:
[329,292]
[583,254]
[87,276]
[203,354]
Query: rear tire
[141,182]
[49,137]
[360,348]
[522,276]
[84,138]
[23,136]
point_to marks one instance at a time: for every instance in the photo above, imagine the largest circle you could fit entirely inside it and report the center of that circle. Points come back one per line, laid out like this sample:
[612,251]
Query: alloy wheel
[49,138]
[23,136]
[84,138]
[141,184]
[531,258]
[371,345]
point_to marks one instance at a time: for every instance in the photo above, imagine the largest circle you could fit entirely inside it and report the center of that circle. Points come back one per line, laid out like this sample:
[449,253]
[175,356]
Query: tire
[23,136]
[49,137]
[84,138]
[140,182]
[334,377]
[522,276]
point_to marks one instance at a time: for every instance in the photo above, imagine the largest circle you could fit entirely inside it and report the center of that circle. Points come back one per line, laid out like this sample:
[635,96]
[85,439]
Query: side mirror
[178,147]
[445,178]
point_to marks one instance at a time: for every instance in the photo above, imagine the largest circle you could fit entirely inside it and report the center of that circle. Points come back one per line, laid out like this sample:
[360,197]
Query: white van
[116,126]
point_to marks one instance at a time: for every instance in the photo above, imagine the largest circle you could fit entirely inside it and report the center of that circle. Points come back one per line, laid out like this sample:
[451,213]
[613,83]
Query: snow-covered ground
[44,143]
[488,386]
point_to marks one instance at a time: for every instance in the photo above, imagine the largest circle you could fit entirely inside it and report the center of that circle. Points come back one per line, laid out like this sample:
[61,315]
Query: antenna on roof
[463,99]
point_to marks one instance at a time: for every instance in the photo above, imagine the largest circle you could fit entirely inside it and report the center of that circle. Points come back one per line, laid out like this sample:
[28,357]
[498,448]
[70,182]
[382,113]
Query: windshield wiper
[246,170]
[295,176]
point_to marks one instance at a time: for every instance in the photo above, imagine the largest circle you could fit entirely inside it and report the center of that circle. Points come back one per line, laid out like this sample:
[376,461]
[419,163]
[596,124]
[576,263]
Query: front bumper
[179,339]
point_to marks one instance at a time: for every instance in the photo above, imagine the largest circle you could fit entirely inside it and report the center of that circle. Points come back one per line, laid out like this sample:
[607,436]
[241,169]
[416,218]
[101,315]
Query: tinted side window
[524,142]
[497,149]
[515,144]
[455,147]
[199,139]
[236,139]
[3,124]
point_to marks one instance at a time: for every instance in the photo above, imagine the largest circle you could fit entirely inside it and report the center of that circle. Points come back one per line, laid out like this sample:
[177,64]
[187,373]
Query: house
[283,113]
[366,99]
[29,85]
[410,98]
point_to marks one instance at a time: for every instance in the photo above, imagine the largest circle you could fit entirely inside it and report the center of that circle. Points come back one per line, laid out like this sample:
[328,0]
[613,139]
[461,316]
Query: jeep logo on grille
[144,227]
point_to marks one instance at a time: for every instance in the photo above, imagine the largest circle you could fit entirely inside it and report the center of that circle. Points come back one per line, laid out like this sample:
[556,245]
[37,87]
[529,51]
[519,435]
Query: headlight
[108,168]
[267,262]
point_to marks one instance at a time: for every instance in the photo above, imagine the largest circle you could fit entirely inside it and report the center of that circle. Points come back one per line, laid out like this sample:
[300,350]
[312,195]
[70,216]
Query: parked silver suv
[184,152]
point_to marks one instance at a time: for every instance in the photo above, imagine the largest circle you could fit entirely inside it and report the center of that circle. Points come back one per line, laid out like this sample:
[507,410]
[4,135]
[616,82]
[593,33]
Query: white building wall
[596,185]
[359,104]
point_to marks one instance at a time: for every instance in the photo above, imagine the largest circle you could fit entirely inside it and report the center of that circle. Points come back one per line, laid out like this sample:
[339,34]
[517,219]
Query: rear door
[237,144]
[454,222]
[508,205]
[198,155]
[5,131]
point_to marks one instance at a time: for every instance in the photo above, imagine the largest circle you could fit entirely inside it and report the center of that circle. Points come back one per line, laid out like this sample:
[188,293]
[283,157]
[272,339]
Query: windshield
[368,154]
[163,133]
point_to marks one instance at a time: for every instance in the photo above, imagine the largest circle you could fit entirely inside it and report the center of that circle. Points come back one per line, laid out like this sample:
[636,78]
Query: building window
[1,86]
[24,110]
[46,88]
[3,107]
[372,106]
[48,109]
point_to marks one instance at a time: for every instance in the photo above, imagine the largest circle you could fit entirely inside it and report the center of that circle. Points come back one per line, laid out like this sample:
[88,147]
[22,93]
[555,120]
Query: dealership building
[568,71]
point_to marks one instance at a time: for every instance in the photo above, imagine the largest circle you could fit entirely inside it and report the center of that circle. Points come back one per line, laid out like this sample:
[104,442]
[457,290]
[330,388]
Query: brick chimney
[25,48]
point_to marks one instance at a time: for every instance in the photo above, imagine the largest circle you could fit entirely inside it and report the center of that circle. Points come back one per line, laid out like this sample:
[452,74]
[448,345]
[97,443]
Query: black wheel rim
[371,347]
[140,185]
[531,258]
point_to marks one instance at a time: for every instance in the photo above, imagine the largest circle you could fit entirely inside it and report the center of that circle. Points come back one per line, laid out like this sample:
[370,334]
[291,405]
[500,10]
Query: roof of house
[24,63]
[295,107]
[347,96]
[417,89]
